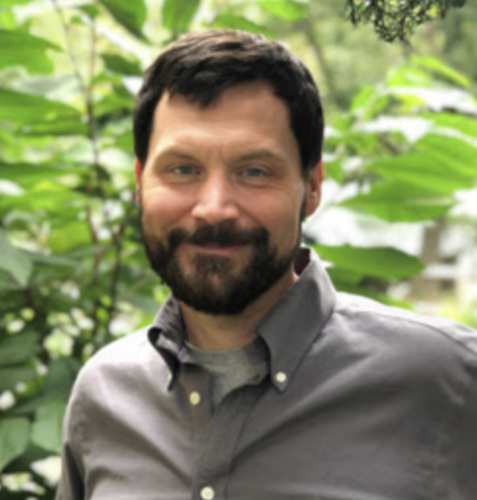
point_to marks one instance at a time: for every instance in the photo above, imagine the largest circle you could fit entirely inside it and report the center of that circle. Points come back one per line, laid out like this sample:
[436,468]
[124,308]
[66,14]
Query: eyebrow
[260,154]
[257,154]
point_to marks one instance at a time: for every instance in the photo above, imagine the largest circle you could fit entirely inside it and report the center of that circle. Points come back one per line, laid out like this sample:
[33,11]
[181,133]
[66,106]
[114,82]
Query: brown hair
[200,66]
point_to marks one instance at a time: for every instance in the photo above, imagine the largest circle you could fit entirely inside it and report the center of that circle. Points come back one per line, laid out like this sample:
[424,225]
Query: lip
[216,250]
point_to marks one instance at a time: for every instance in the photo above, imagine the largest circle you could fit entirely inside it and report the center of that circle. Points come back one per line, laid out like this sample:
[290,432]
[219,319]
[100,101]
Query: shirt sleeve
[463,448]
[71,485]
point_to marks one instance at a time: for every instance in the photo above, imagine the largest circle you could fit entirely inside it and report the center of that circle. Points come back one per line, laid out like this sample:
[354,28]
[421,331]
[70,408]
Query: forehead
[250,110]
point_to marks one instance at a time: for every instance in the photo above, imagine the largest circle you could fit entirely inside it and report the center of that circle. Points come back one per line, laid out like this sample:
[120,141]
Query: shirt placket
[214,433]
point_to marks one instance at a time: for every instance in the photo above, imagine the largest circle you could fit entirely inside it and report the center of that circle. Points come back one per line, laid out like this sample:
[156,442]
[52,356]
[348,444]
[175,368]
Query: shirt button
[207,493]
[194,399]
[281,377]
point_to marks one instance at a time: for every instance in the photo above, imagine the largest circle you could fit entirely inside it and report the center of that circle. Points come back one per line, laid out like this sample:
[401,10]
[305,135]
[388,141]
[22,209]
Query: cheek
[161,209]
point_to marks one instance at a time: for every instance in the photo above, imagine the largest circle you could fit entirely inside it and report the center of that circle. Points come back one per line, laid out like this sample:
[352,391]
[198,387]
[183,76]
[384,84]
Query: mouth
[215,249]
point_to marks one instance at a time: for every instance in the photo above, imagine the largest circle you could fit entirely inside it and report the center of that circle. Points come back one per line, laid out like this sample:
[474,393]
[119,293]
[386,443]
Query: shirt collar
[297,320]
[288,330]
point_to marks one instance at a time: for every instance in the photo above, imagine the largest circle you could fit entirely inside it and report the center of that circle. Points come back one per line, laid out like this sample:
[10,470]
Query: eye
[254,172]
[184,170]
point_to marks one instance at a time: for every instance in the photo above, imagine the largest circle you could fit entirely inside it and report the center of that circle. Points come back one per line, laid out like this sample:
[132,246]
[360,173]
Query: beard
[212,285]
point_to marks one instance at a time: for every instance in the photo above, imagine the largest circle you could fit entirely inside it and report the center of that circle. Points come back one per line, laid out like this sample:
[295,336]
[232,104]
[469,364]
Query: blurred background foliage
[401,177]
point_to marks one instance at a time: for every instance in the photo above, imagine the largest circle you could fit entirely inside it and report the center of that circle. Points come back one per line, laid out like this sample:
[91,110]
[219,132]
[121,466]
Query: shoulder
[128,361]
[403,340]
[385,320]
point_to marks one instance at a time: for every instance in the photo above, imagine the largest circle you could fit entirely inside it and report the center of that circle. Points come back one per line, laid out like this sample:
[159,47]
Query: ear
[137,174]
[313,188]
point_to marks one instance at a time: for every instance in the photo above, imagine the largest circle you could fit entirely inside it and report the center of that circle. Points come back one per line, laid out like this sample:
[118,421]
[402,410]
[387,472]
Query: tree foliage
[73,275]
[395,19]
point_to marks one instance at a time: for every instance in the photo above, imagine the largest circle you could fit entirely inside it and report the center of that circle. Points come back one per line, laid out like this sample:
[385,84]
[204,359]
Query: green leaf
[387,263]
[25,108]
[121,65]
[61,376]
[11,3]
[422,169]
[131,14]
[19,48]
[288,10]
[13,375]
[46,430]
[14,437]
[439,68]
[7,19]
[64,126]
[27,174]
[72,235]
[363,98]
[44,197]
[17,348]
[178,14]
[459,156]
[228,20]
[14,261]
[400,202]
[463,124]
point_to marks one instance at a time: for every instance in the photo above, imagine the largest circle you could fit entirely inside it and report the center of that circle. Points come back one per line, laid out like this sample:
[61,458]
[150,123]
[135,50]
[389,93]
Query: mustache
[223,234]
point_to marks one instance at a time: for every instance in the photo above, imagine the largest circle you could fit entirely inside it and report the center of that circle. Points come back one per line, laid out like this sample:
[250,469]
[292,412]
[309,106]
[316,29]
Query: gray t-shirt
[232,368]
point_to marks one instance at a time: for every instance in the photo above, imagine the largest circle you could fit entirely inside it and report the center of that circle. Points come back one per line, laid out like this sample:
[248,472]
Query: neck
[223,332]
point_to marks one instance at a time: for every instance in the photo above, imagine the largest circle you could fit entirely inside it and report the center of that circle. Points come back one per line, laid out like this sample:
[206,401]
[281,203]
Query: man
[257,381]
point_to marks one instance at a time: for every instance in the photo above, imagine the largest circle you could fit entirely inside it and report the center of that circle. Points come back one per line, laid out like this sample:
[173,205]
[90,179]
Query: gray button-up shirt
[360,402]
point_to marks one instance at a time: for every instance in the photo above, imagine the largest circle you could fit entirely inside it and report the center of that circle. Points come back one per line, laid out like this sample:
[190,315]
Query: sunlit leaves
[178,14]
[24,108]
[230,20]
[119,64]
[19,48]
[399,202]
[130,14]
[288,10]
[386,263]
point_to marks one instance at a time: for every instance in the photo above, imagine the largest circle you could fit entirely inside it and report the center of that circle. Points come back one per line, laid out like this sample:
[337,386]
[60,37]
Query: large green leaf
[387,263]
[231,21]
[27,174]
[17,348]
[43,198]
[14,261]
[25,108]
[46,430]
[131,14]
[14,437]
[463,124]
[178,14]
[288,10]
[64,126]
[400,202]
[60,377]
[439,68]
[19,48]
[11,3]
[460,157]
[422,169]
[119,64]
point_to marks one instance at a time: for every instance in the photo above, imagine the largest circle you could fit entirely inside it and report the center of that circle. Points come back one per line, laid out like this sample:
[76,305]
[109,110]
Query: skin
[235,160]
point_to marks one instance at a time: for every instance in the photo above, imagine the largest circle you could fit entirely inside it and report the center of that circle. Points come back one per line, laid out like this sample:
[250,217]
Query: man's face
[222,197]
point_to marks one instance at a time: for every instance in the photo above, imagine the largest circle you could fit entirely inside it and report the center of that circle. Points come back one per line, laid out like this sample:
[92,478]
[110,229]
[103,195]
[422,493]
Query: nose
[215,200]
